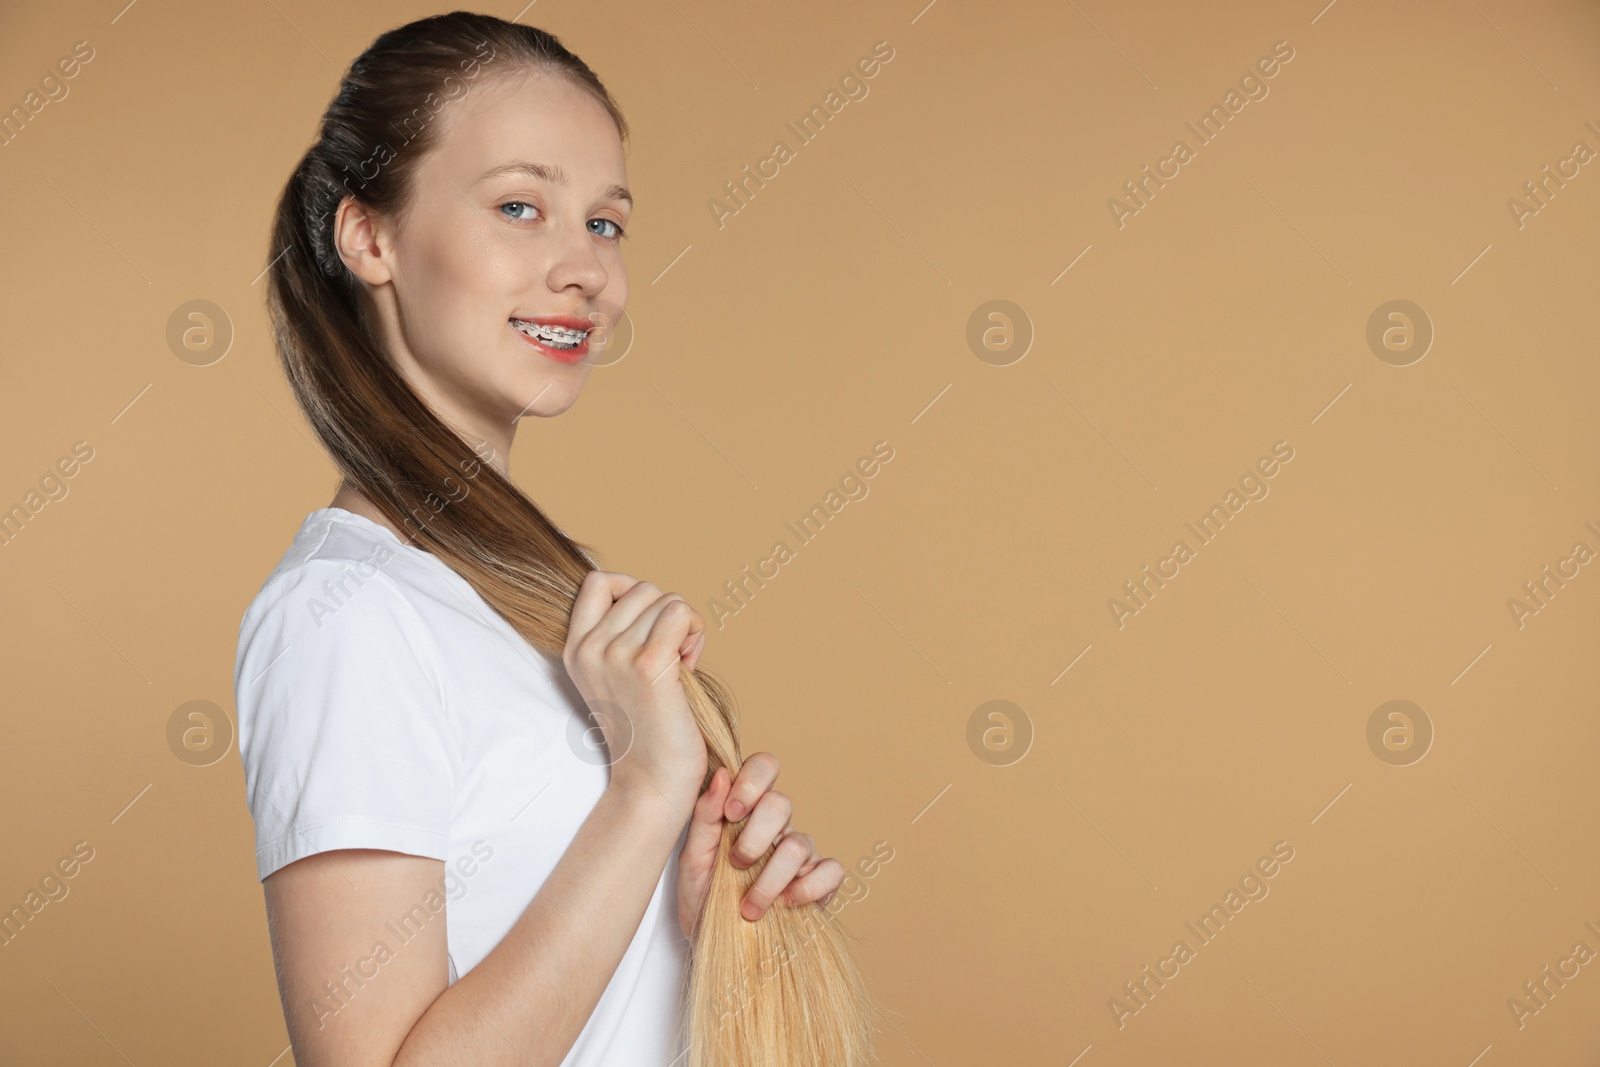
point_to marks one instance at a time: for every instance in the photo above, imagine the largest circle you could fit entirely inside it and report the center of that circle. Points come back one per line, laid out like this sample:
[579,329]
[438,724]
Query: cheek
[458,301]
[482,280]
[616,291]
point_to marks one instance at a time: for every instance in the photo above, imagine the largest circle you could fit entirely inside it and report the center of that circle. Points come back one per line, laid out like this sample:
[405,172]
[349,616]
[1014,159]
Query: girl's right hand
[626,645]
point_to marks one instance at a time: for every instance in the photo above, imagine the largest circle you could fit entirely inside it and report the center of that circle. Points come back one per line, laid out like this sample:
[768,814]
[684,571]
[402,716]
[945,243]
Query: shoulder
[341,587]
[334,651]
[331,557]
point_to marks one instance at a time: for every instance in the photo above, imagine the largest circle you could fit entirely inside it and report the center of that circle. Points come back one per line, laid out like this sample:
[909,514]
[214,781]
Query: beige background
[829,313]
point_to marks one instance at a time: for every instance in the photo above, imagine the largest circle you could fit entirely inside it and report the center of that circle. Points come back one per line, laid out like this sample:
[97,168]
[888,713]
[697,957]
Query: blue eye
[616,234]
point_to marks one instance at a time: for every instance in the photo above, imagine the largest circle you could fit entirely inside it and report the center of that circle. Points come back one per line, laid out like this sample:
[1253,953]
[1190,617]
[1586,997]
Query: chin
[548,400]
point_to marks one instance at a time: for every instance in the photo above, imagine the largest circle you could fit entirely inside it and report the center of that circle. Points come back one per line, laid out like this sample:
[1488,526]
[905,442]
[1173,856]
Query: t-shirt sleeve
[344,730]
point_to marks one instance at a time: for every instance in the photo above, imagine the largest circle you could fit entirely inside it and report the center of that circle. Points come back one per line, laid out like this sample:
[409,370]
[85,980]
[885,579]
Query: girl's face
[516,217]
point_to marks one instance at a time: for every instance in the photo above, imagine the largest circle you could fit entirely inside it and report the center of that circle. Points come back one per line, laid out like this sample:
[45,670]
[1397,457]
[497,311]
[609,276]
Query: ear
[362,242]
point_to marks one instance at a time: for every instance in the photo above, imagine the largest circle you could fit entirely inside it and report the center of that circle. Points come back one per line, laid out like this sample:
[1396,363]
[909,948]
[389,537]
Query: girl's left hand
[796,873]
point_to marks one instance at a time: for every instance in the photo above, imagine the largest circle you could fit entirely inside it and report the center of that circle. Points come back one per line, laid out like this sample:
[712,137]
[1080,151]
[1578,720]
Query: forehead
[528,115]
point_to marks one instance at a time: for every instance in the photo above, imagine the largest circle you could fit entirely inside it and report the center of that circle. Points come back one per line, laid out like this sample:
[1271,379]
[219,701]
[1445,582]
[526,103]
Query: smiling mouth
[557,337]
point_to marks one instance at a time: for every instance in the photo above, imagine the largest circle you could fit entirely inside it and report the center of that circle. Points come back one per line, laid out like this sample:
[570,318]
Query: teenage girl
[461,864]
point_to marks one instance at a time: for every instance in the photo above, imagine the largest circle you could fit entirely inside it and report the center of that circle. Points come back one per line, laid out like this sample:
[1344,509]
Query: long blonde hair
[782,991]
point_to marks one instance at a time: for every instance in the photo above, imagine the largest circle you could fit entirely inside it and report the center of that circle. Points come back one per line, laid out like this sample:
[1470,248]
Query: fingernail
[735,810]
[749,910]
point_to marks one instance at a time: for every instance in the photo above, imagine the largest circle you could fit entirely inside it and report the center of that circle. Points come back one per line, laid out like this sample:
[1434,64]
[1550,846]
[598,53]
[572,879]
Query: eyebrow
[549,173]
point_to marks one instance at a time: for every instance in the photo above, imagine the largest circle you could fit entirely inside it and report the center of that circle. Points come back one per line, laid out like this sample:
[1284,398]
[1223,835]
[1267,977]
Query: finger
[780,870]
[627,628]
[708,809]
[661,630]
[643,613]
[599,590]
[705,828]
[677,630]
[765,825]
[621,622]
[697,644]
[819,883]
[756,775]
[697,629]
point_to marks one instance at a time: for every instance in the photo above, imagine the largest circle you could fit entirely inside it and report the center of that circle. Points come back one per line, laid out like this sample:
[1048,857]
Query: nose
[574,261]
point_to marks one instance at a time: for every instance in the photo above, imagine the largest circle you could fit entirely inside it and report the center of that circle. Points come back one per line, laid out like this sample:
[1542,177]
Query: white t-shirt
[383,704]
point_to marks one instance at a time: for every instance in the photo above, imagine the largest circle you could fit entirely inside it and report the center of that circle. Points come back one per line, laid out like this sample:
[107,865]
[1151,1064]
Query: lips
[560,337]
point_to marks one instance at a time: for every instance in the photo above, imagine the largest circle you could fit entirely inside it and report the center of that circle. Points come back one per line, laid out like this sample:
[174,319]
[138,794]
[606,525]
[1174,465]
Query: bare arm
[523,1005]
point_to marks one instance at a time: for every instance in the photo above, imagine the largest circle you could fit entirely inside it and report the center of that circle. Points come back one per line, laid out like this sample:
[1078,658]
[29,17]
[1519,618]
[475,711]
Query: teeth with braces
[554,336]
